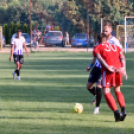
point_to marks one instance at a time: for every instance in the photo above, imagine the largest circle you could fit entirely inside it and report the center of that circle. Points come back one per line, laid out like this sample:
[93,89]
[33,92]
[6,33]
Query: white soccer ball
[78,108]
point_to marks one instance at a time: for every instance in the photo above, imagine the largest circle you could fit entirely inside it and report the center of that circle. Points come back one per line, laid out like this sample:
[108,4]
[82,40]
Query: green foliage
[69,15]
[56,28]
[18,26]
[9,35]
[4,29]
[9,30]
[12,27]
[25,28]
[28,27]
[6,33]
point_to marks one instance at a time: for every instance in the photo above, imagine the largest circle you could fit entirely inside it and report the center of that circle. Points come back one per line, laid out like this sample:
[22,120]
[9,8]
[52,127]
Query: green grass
[51,83]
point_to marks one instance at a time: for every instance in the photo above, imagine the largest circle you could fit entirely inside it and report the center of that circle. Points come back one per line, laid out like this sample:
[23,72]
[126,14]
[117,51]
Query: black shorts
[18,58]
[95,75]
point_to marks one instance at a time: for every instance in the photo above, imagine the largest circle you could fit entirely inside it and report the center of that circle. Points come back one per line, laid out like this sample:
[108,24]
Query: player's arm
[93,60]
[11,54]
[122,56]
[122,59]
[123,62]
[92,64]
[26,49]
[103,63]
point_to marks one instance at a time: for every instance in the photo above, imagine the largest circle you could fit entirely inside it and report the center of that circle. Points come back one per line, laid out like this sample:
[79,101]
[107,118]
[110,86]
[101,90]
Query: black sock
[92,91]
[98,96]
[17,72]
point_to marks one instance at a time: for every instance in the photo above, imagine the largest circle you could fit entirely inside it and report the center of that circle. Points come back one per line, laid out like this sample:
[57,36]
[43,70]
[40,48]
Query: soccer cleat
[96,110]
[14,75]
[123,114]
[117,115]
[93,100]
[18,78]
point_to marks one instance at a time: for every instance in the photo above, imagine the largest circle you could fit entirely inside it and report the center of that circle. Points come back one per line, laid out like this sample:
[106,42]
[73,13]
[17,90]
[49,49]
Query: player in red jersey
[110,57]
[95,74]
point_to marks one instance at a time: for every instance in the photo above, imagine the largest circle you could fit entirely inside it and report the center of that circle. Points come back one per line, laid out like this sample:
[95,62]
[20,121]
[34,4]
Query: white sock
[97,108]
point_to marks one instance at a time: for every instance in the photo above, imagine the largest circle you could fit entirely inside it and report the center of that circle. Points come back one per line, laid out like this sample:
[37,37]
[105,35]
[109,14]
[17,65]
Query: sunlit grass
[51,83]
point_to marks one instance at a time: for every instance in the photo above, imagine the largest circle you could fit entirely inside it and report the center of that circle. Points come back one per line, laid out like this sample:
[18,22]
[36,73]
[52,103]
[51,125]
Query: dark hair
[107,23]
[19,30]
[100,37]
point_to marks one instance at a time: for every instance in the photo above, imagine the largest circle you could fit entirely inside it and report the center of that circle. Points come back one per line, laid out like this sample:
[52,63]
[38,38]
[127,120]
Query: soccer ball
[78,108]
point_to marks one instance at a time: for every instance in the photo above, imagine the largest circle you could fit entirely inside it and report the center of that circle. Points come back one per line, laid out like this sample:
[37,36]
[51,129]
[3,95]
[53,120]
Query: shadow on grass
[48,90]
[54,118]
[49,93]
[63,127]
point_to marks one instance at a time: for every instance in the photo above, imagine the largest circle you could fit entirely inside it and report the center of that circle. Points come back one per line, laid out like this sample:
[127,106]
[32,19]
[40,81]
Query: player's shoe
[14,75]
[117,115]
[93,100]
[123,112]
[96,110]
[18,77]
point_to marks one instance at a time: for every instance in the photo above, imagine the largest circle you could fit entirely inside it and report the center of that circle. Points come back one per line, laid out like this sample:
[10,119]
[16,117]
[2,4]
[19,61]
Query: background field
[51,83]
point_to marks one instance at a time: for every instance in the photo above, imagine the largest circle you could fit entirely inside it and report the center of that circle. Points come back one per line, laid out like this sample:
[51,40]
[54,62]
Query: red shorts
[111,79]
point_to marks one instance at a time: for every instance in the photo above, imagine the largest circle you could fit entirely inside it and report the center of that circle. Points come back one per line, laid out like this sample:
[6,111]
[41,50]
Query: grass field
[51,83]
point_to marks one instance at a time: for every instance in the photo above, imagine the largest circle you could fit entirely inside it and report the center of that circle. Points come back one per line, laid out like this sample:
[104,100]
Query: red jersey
[110,53]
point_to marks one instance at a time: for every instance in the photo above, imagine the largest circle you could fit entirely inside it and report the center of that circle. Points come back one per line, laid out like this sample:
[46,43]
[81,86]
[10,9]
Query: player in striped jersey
[17,53]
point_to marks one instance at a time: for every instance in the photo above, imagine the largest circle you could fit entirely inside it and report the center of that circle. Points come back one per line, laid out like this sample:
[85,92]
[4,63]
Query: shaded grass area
[51,83]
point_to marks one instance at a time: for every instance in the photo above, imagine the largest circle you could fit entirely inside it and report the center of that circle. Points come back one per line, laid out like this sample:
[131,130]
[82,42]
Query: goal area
[124,33]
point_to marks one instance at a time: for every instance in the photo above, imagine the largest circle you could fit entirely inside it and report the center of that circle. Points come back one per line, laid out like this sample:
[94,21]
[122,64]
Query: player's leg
[119,95]
[21,61]
[91,82]
[98,95]
[21,65]
[108,80]
[98,92]
[109,99]
[18,70]
[121,101]
[93,78]
[98,98]
[16,61]
[112,104]
[91,88]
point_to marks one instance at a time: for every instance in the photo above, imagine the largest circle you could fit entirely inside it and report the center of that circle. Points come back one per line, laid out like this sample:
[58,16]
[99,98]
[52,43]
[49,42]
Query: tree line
[69,15]
[10,29]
